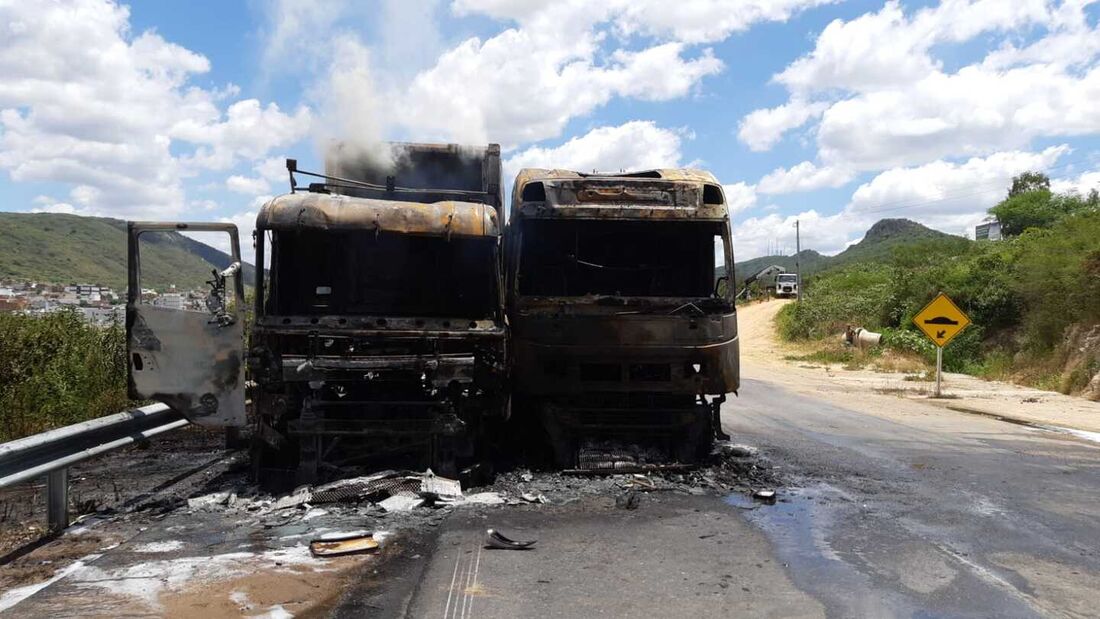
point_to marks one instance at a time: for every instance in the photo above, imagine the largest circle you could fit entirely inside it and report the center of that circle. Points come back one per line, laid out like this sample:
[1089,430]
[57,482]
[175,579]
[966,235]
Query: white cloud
[827,234]
[762,129]
[885,99]
[689,21]
[246,185]
[636,145]
[805,176]
[739,197]
[704,21]
[47,204]
[268,171]
[554,63]
[1081,184]
[947,196]
[525,84]
[84,102]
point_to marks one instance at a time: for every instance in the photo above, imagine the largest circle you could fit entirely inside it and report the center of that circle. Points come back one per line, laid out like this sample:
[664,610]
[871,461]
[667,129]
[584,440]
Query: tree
[1038,209]
[1028,182]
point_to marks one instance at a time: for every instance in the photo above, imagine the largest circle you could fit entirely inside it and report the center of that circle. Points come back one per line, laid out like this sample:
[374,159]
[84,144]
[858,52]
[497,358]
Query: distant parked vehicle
[786,285]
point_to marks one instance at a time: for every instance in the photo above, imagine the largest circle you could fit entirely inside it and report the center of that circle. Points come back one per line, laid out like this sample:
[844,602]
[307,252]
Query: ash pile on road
[731,468]
[406,499]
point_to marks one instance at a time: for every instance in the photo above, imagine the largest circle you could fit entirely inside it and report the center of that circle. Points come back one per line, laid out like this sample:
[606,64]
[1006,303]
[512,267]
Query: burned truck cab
[379,334]
[623,342]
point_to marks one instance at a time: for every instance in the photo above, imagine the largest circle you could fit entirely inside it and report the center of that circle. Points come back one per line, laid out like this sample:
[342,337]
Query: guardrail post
[57,499]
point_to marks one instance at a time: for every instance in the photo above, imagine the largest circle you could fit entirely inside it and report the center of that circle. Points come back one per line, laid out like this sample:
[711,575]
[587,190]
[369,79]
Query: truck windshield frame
[366,272]
[642,259]
[787,278]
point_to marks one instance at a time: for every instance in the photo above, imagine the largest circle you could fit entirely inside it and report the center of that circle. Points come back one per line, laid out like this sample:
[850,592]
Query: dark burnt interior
[359,272]
[571,258]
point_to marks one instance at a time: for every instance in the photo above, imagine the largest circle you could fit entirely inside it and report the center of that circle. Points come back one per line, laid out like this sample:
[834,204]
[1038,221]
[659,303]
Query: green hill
[884,236]
[65,249]
[876,246]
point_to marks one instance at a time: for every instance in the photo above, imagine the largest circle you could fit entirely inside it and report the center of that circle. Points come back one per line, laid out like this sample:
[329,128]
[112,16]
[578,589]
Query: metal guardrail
[51,453]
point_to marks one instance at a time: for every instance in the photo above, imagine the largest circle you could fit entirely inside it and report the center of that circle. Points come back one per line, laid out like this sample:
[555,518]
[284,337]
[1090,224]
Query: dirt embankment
[765,357]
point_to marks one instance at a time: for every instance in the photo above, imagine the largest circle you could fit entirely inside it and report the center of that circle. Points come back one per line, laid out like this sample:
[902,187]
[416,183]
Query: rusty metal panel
[333,212]
[649,195]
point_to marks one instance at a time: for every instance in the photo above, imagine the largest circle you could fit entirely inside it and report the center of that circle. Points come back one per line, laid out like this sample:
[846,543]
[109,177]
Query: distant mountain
[876,245]
[884,236]
[65,249]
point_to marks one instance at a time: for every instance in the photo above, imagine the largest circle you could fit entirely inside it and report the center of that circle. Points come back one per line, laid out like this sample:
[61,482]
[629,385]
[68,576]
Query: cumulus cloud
[828,234]
[86,103]
[762,129]
[1082,184]
[246,185]
[525,84]
[805,176]
[740,196]
[553,63]
[267,172]
[948,196]
[636,145]
[691,21]
[883,98]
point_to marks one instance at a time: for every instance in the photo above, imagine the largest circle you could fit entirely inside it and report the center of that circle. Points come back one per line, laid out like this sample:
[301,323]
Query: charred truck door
[185,351]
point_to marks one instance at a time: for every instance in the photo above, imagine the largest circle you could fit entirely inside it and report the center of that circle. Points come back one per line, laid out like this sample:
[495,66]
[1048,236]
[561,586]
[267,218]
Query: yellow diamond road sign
[941,320]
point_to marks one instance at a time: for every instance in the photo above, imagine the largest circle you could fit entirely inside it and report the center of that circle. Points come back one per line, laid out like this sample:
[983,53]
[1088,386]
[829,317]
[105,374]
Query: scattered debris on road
[764,496]
[627,500]
[493,539]
[332,546]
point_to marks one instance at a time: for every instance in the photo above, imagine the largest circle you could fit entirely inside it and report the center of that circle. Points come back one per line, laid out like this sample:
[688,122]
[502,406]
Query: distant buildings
[98,304]
[989,230]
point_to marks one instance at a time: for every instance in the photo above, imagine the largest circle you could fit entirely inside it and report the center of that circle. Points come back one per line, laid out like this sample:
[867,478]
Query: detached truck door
[187,353]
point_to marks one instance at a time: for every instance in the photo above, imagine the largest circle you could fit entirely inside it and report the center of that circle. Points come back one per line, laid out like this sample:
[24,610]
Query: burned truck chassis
[615,432]
[343,424]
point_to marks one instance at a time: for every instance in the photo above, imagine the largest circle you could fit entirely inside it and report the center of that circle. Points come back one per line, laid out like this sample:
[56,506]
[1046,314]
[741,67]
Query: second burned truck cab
[623,342]
[379,337]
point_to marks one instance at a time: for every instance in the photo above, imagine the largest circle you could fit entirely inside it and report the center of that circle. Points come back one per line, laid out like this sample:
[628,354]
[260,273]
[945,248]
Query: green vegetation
[63,249]
[1031,296]
[57,370]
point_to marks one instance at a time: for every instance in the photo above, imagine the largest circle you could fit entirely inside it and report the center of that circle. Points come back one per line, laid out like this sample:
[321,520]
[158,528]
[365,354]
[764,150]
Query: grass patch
[57,370]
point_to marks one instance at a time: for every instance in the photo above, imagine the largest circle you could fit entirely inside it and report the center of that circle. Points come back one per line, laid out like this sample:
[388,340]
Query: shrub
[57,370]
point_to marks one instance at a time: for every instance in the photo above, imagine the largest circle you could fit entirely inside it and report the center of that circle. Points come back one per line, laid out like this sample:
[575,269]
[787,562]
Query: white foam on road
[155,547]
[14,596]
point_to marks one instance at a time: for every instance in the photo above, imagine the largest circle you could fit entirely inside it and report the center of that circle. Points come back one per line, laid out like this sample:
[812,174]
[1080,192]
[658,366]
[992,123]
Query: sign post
[941,320]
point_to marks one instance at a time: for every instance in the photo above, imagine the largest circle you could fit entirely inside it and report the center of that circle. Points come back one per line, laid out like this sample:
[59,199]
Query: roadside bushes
[854,295]
[57,370]
[1024,296]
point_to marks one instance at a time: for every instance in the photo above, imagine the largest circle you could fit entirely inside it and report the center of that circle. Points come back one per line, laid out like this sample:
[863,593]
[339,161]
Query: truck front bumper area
[559,369]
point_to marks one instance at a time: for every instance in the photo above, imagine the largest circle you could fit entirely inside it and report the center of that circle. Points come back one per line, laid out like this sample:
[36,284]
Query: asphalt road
[887,510]
[889,507]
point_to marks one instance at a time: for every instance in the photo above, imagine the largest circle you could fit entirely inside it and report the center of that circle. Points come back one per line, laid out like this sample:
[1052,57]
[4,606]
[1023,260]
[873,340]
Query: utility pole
[797,267]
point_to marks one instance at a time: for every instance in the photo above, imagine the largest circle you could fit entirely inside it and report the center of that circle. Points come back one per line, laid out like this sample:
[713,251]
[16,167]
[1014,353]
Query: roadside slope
[762,358]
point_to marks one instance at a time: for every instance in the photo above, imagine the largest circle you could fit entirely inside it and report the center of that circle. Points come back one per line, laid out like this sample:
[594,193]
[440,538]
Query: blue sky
[835,113]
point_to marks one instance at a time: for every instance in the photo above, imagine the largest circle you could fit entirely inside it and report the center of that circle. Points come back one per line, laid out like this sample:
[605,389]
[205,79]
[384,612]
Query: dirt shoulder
[763,357]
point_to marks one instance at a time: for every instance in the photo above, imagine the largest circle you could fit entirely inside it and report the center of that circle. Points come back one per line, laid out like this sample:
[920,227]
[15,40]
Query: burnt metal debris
[402,324]
[494,539]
